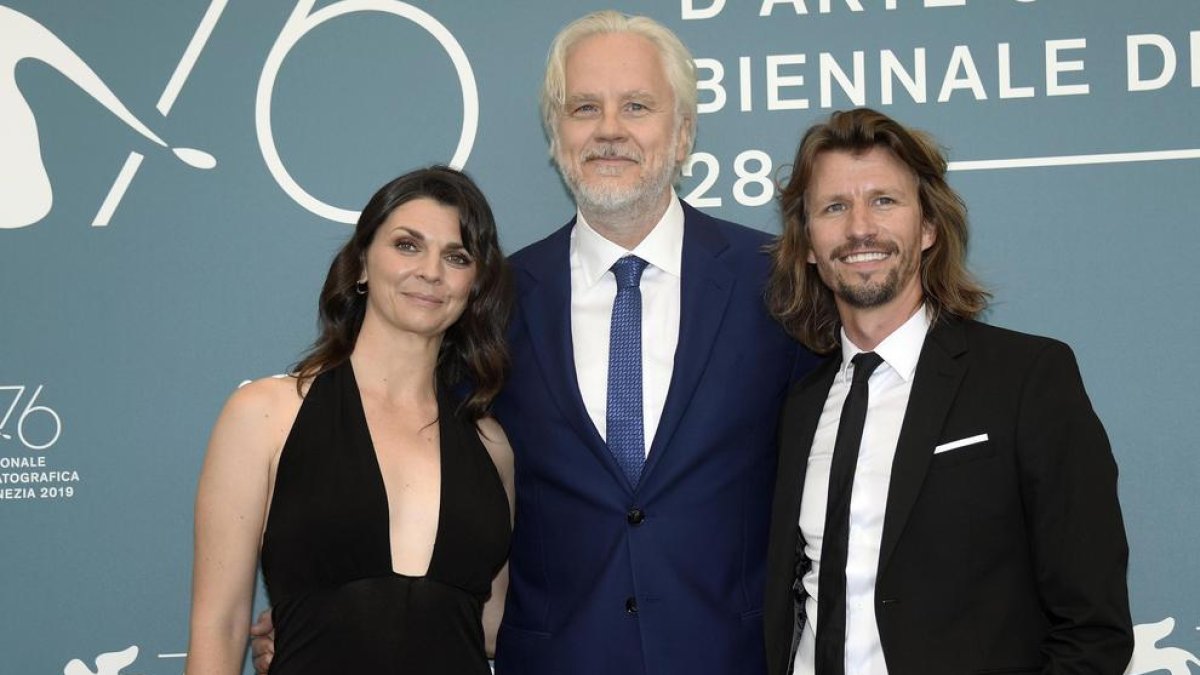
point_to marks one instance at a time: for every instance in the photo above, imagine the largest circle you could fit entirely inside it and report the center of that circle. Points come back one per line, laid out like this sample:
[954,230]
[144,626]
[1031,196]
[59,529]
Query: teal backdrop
[175,176]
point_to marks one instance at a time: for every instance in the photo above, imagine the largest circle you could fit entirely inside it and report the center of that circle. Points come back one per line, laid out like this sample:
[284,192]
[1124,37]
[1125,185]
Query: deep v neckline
[361,411]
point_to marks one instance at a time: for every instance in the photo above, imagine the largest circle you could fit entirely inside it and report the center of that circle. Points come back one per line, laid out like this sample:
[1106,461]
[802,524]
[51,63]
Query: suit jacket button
[635,516]
[631,606]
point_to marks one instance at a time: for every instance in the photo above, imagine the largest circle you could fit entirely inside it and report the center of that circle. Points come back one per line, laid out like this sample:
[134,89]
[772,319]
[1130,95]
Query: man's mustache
[864,244]
[611,151]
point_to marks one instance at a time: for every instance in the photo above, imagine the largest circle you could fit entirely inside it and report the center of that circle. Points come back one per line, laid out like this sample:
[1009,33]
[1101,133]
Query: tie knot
[865,363]
[628,271]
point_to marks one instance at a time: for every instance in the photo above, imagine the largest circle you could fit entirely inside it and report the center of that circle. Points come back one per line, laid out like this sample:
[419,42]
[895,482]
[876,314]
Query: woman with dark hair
[380,501]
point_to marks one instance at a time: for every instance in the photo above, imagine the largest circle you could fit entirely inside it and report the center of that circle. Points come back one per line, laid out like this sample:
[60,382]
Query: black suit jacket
[1006,556]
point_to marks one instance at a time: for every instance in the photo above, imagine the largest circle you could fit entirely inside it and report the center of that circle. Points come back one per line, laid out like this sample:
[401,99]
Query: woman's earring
[360,287]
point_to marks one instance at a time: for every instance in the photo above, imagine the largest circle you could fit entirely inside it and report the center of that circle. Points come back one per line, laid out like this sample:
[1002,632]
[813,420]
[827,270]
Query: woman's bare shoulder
[261,412]
[268,396]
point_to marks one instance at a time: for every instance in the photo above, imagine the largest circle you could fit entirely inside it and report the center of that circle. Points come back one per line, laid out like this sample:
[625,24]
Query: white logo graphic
[108,663]
[302,20]
[29,411]
[25,193]
[1148,657]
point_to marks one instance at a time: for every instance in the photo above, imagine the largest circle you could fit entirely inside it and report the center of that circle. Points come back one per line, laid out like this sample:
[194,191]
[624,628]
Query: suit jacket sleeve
[1077,537]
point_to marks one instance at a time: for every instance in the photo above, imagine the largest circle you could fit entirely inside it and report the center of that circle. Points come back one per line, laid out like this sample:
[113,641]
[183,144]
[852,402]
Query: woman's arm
[493,611]
[231,505]
[498,447]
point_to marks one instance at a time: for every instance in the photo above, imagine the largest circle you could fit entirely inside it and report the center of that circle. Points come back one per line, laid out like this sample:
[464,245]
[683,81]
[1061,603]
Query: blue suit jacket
[665,577]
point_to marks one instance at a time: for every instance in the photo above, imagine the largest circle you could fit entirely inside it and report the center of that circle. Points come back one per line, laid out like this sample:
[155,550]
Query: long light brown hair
[795,294]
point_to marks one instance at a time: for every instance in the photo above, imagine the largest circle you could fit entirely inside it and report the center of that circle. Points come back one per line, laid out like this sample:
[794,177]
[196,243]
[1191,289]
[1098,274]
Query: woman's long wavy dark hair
[473,350]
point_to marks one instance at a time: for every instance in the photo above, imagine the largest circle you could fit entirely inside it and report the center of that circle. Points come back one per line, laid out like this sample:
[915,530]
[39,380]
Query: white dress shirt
[593,289]
[889,387]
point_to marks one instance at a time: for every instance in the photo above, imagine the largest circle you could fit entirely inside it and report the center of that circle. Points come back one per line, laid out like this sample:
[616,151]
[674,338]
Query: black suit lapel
[785,555]
[938,375]
[798,426]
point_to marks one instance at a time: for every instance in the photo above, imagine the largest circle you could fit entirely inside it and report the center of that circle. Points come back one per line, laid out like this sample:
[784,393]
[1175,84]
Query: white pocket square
[962,442]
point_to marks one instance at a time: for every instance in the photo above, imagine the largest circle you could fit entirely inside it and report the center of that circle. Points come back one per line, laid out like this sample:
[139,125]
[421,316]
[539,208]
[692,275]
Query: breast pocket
[962,451]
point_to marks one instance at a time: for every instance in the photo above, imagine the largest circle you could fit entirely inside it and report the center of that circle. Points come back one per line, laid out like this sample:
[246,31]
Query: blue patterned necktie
[626,436]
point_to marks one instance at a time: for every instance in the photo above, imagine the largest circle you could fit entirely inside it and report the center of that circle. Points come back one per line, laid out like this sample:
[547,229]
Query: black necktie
[831,582]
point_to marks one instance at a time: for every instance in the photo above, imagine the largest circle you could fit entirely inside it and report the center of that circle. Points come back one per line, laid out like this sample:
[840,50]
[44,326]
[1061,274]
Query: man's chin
[612,186]
[867,296]
[607,200]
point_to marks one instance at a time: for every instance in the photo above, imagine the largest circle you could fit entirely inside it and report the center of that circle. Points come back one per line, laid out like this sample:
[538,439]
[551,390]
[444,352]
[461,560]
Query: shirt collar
[900,350]
[662,247]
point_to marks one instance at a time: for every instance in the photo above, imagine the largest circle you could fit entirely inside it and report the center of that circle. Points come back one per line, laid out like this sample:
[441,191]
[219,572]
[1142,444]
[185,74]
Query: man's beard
[868,294]
[605,199]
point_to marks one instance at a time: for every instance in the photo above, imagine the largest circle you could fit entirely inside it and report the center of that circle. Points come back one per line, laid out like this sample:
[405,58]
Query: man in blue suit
[642,559]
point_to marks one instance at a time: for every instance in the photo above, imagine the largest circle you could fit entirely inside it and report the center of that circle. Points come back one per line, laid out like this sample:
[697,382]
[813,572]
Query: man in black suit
[951,507]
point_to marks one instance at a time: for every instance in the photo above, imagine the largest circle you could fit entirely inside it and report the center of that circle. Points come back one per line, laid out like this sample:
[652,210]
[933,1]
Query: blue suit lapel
[936,382]
[545,306]
[706,285]
[546,309]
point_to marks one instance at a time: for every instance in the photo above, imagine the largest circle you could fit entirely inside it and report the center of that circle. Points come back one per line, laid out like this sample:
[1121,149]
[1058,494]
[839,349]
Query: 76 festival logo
[35,426]
[26,420]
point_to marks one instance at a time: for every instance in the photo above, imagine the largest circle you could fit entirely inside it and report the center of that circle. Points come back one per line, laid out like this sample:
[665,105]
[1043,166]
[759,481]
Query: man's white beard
[609,201]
